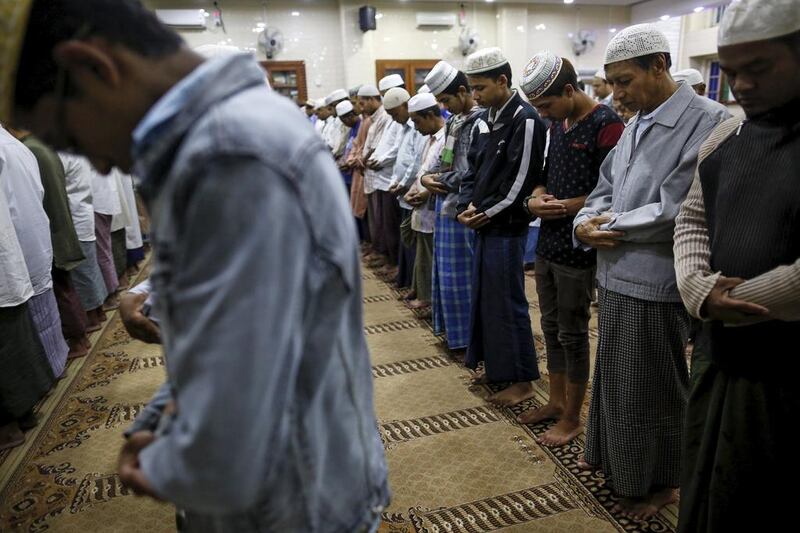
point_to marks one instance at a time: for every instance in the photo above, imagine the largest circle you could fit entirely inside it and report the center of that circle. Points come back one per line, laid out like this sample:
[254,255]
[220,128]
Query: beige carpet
[456,463]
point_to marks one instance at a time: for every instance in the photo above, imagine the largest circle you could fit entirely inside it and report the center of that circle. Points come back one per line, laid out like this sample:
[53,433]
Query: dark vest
[751,190]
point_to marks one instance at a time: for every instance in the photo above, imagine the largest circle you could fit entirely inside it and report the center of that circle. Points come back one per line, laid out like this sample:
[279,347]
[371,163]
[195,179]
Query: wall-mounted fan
[271,41]
[468,41]
[583,42]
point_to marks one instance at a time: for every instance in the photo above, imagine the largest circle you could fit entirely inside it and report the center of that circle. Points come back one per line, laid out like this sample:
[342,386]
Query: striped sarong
[105,253]
[639,393]
[88,278]
[44,312]
[452,278]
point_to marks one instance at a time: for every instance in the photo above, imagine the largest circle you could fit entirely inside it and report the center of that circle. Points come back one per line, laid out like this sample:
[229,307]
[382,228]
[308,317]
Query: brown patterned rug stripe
[456,463]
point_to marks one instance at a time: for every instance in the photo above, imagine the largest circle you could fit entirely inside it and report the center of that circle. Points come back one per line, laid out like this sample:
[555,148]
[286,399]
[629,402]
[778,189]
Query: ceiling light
[568,1]
[613,30]
[664,17]
[378,16]
[698,9]
[295,13]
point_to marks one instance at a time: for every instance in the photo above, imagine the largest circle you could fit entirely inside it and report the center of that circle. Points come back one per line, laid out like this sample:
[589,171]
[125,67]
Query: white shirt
[15,282]
[105,196]
[380,121]
[385,155]
[78,174]
[121,219]
[133,232]
[423,219]
[22,185]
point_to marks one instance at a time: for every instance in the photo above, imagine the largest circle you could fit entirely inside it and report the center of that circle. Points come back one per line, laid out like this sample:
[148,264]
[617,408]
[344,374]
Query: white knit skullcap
[689,75]
[600,74]
[484,61]
[368,90]
[540,73]
[343,108]
[395,97]
[336,96]
[747,21]
[636,41]
[423,89]
[390,81]
[440,77]
[421,102]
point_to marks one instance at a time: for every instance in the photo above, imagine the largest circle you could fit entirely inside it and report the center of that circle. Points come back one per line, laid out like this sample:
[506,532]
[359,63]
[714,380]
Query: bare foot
[11,436]
[480,379]
[512,395]
[585,465]
[417,304]
[644,509]
[547,412]
[562,433]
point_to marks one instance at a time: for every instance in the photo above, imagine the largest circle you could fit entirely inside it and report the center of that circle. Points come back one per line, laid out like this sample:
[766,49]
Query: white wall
[561,21]
[337,54]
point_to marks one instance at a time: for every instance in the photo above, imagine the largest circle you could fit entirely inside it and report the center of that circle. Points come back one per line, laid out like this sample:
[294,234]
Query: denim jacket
[259,298]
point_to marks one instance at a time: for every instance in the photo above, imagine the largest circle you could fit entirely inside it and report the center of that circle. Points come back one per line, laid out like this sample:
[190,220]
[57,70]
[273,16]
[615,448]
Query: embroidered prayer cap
[747,21]
[368,90]
[336,96]
[636,41]
[600,74]
[689,75]
[540,73]
[421,102]
[440,77]
[423,89]
[395,97]
[13,23]
[484,61]
[390,81]
[344,107]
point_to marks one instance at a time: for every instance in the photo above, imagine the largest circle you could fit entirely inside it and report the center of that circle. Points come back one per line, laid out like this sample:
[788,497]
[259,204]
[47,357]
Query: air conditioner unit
[435,20]
[185,19]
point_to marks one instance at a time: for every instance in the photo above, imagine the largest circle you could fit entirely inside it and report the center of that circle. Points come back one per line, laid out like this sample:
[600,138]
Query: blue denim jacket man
[259,300]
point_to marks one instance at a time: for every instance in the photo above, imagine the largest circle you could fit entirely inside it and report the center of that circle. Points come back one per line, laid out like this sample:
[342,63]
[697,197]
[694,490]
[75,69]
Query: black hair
[645,62]
[495,73]
[581,85]
[124,22]
[433,110]
[791,40]
[567,76]
[456,84]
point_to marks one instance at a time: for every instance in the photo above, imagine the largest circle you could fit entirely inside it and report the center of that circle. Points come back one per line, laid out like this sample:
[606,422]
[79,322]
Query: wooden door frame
[406,65]
[297,66]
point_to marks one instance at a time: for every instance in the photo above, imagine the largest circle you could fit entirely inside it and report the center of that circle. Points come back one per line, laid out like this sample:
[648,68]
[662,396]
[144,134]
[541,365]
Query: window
[718,88]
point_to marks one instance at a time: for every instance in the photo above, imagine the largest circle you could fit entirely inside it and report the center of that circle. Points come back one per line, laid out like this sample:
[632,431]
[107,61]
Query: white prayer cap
[395,97]
[747,21]
[337,95]
[484,61]
[423,89]
[210,51]
[421,101]
[600,74]
[440,77]
[689,75]
[540,73]
[390,81]
[343,108]
[319,104]
[311,103]
[636,41]
[368,90]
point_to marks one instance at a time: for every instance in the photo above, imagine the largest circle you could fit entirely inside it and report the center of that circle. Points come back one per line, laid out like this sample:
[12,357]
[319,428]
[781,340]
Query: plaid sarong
[452,278]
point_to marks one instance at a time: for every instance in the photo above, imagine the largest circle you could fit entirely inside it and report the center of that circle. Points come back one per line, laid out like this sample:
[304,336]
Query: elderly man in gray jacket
[257,269]
[640,385]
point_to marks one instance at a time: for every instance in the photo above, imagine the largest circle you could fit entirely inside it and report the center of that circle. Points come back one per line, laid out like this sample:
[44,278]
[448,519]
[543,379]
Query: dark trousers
[565,294]
[405,257]
[501,334]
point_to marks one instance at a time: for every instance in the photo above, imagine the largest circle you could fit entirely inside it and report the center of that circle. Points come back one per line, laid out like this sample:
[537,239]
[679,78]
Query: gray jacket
[468,138]
[642,189]
[258,282]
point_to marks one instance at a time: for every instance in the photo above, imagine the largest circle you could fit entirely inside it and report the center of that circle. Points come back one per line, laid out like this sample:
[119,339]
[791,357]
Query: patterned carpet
[456,463]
